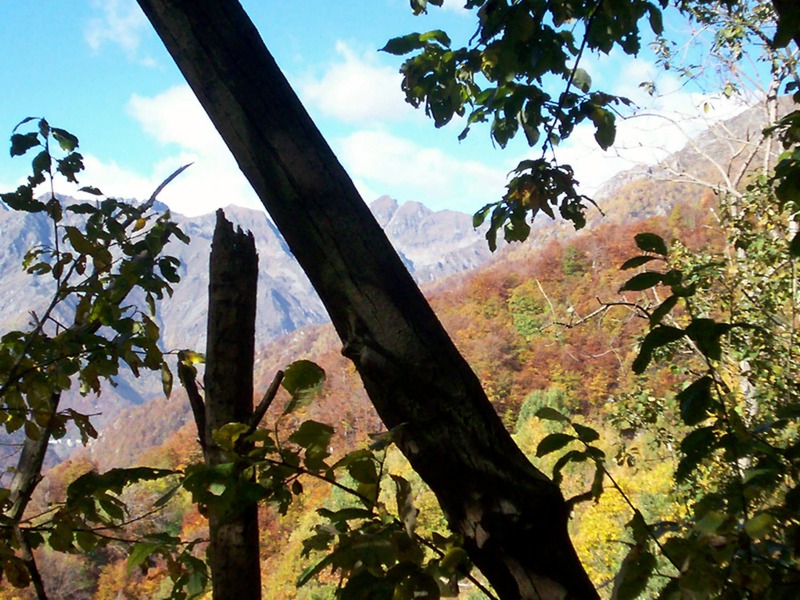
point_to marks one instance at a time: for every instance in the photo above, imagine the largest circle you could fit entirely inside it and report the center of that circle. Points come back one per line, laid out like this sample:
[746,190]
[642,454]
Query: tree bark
[512,517]
[788,13]
[233,550]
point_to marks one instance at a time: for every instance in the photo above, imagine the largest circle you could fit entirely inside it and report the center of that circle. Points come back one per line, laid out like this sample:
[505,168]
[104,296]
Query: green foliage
[374,546]
[101,252]
[553,402]
[740,409]
[505,77]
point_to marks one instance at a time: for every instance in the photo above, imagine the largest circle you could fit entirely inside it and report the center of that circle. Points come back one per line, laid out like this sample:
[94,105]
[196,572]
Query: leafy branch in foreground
[99,253]
[736,313]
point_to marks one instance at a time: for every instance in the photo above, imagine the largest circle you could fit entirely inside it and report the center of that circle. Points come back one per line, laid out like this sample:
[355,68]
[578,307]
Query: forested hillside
[539,327]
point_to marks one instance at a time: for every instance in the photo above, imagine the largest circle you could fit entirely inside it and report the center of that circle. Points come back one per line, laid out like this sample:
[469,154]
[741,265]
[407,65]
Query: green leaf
[166,379]
[403,45]
[760,525]
[655,18]
[303,379]
[345,514]
[575,456]
[695,401]
[606,129]
[312,434]
[405,504]
[553,442]
[21,143]
[695,447]
[637,261]
[78,240]
[479,217]
[650,242]
[88,189]
[313,570]
[657,337]
[706,333]
[582,80]
[586,434]
[227,435]
[363,471]
[162,501]
[115,480]
[437,35]
[642,281]
[70,166]
[661,311]
[140,552]
[65,139]
[86,540]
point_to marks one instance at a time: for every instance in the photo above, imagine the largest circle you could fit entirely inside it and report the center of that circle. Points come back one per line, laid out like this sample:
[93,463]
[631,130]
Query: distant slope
[432,245]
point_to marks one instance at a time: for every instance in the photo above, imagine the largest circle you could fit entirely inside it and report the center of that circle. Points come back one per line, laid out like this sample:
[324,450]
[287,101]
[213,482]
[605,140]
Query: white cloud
[120,22]
[408,171]
[357,89]
[660,124]
[175,118]
[456,6]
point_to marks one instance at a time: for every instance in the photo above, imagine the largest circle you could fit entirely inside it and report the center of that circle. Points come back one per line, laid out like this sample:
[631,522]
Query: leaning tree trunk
[233,551]
[512,517]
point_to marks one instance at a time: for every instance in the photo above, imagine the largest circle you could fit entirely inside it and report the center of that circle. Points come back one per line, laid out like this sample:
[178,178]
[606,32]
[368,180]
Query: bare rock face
[431,244]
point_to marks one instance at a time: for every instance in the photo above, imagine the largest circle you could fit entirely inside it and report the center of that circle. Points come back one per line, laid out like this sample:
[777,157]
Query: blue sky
[95,68]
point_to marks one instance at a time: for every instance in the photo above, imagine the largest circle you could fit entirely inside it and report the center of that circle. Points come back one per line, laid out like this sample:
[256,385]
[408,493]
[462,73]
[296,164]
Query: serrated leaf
[553,442]
[650,242]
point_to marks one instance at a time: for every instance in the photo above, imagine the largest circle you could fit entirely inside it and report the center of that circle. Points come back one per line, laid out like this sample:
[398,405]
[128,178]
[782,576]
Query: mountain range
[432,244]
